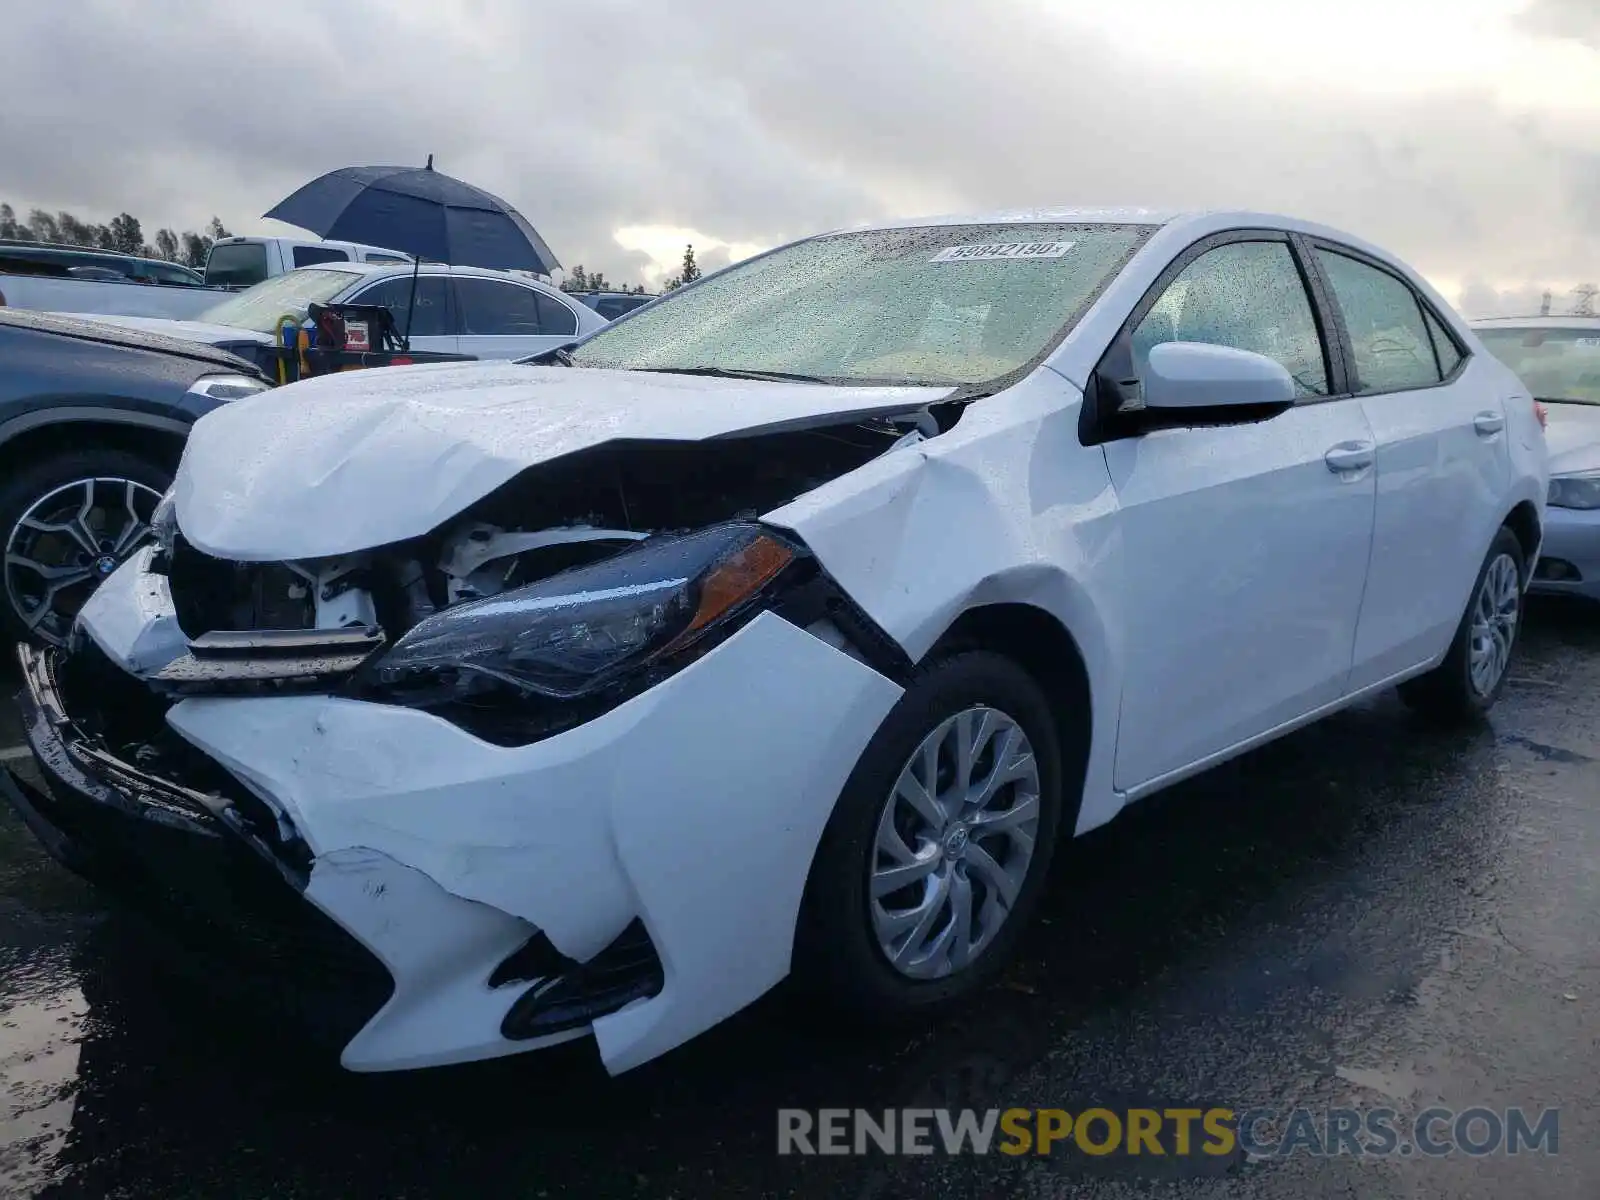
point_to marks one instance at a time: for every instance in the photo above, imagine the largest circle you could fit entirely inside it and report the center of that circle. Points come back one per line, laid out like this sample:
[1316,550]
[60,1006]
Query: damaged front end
[578,584]
[204,858]
[508,762]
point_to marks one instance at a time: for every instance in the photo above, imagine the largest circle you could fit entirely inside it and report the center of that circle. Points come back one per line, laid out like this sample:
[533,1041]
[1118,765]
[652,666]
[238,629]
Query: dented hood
[348,462]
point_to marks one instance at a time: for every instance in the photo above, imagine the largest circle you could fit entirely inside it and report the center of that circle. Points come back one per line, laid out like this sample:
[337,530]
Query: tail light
[1540,411]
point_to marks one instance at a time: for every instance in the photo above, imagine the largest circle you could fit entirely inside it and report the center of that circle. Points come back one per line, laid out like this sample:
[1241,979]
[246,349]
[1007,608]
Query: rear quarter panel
[1525,441]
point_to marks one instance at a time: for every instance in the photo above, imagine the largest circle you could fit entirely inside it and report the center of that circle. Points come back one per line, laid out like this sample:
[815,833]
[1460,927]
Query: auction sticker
[990,251]
[1588,343]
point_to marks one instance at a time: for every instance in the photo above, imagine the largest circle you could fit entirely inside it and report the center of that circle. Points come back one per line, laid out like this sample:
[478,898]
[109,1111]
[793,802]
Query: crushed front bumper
[637,877]
[186,859]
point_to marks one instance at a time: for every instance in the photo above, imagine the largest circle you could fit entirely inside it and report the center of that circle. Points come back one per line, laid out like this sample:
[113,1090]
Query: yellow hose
[288,320]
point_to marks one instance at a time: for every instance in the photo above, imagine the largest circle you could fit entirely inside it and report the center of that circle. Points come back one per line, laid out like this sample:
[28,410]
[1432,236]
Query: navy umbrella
[420,211]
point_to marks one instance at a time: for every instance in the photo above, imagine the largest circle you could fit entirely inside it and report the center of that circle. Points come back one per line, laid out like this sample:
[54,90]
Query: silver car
[1559,360]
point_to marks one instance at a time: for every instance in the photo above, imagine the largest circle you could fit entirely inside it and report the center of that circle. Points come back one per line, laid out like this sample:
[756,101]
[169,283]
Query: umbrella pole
[411,305]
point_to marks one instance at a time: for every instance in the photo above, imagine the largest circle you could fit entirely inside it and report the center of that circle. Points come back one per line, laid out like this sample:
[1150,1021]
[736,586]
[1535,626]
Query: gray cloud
[1575,19]
[754,123]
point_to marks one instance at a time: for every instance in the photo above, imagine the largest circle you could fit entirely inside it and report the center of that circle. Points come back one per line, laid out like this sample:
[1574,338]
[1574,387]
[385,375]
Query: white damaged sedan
[784,627]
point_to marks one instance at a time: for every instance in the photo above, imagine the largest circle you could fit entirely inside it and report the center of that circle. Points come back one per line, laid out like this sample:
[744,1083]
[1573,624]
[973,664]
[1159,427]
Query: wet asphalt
[1370,913]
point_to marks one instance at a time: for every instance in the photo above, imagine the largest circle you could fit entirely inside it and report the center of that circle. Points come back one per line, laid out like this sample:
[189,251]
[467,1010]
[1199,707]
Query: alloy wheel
[954,843]
[65,545]
[1495,611]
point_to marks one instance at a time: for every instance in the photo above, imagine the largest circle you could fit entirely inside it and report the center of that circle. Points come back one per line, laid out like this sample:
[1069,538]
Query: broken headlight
[164,521]
[577,632]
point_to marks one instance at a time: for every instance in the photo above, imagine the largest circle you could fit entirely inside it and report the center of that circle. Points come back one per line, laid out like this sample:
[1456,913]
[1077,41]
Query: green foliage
[579,280]
[687,273]
[123,235]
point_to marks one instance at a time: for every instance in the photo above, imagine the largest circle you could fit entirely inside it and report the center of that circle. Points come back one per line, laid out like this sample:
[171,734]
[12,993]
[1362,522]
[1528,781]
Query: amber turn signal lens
[738,577]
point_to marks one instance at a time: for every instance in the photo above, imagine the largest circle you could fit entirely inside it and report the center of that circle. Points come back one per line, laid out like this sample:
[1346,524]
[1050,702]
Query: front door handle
[1488,423]
[1348,457]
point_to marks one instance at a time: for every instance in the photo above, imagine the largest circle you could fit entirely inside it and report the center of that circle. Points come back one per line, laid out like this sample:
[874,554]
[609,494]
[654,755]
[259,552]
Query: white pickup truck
[241,262]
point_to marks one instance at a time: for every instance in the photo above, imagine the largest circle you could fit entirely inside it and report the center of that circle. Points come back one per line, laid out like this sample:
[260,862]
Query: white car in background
[459,310]
[1559,360]
[787,624]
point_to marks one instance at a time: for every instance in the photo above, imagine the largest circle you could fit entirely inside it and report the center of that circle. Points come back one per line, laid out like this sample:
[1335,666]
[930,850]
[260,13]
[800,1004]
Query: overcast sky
[1462,134]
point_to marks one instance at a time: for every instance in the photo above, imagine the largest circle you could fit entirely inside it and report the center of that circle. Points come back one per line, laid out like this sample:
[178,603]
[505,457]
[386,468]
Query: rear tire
[974,871]
[122,489]
[1466,684]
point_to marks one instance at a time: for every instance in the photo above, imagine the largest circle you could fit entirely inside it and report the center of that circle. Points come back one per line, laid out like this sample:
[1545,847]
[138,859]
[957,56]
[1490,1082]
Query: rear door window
[310,256]
[1444,346]
[554,316]
[495,309]
[1393,349]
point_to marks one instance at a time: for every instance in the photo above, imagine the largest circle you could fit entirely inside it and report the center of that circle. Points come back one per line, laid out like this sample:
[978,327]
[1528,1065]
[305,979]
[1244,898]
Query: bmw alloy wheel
[1494,624]
[65,545]
[954,842]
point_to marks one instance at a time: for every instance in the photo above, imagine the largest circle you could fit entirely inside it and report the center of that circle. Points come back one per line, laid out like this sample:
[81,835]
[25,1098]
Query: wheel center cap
[105,564]
[955,842]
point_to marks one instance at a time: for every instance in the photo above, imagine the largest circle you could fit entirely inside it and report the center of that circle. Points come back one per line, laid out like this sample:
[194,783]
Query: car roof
[62,248]
[52,252]
[1174,221]
[338,243]
[1029,216]
[1564,321]
[370,268]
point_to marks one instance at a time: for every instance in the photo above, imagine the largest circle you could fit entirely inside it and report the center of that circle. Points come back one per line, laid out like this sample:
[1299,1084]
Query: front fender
[1008,507]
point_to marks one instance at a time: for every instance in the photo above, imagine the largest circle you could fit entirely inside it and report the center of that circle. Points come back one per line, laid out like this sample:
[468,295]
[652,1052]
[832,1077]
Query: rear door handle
[1488,423]
[1348,457]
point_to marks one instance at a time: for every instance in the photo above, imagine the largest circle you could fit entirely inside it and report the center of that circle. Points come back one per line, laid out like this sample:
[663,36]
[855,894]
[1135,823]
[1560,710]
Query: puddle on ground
[39,1038]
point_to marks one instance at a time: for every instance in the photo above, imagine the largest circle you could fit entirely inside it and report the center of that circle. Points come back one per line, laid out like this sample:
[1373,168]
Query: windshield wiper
[736,373]
[561,355]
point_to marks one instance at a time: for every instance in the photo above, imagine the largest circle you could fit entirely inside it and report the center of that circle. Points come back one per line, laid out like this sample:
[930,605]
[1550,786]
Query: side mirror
[1188,375]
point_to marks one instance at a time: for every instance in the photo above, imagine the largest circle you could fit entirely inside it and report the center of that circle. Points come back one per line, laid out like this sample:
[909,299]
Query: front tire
[936,852]
[1466,684]
[68,521]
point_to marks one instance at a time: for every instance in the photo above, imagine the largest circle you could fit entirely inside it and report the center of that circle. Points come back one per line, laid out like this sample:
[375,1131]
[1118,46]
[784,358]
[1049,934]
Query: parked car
[460,310]
[45,258]
[788,623]
[1558,358]
[612,305]
[46,278]
[92,420]
[241,262]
